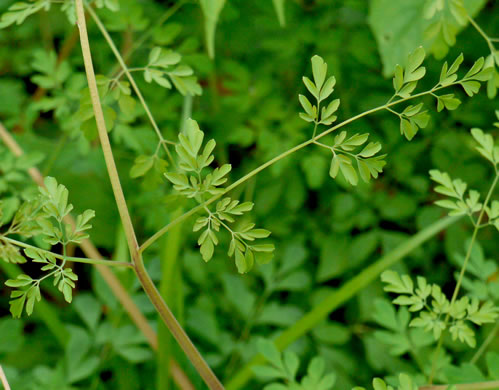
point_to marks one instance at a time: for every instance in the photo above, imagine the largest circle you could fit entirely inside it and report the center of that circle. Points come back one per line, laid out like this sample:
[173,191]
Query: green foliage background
[325,231]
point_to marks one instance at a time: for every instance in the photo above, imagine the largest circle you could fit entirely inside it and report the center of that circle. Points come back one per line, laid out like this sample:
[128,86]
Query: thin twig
[465,386]
[3,379]
[69,258]
[125,69]
[485,344]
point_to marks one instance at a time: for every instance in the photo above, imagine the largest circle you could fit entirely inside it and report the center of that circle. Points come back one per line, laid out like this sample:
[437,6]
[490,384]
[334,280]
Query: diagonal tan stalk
[167,316]
[109,277]
[485,344]
[3,379]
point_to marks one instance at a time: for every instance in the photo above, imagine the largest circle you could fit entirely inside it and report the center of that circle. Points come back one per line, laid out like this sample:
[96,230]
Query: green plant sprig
[192,183]
[405,82]
[487,148]
[45,216]
[465,264]
[312,140]
[431,315]
[437,316]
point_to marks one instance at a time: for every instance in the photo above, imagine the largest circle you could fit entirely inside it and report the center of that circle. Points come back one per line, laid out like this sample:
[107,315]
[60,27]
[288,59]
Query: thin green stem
[285,154]
[485,344]
[395,112]
[167,15]
[461,274]
[316,119]
[483,34]
[111,263]
[324,145]
[145,280]
[131,70]
[125,69]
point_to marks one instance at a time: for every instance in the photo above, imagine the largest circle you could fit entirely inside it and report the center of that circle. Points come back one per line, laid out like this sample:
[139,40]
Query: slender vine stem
[128,74]
[68,258]
[462,272]
[483,34]
[285,154]
[478,354]
[152,292]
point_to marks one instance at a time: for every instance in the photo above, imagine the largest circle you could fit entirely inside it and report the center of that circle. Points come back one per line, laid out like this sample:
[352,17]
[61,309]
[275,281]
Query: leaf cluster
[192,182]
[434,307]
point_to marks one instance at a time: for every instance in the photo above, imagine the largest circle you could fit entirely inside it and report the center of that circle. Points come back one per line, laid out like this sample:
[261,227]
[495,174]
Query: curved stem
[152,292]
[461,274]
[285,154]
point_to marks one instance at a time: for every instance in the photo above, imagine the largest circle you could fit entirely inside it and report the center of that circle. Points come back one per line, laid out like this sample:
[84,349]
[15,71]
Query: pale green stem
[111,263]
[125,69]
[145,280]
[483,34]
[285,154]
[461,274]
[485,344]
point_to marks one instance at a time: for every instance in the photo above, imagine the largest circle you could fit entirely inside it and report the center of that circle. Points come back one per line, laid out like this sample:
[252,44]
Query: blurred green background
[325,231]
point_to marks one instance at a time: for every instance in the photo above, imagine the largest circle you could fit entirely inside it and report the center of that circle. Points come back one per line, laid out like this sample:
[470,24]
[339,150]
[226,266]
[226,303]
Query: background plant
[324,231]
